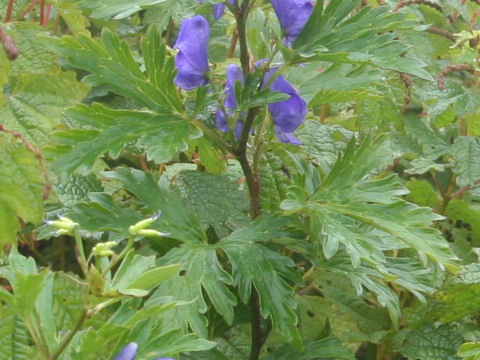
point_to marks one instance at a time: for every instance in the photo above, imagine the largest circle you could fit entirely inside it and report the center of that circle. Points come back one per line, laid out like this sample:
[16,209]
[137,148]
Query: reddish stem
[30,7]
[46,16]
[8,15]
[42,11]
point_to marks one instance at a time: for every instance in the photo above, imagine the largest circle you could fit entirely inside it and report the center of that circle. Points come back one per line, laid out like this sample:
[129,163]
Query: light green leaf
[152,278]
[432,343]
[117,9]
[21,188]
[466,151]
[36,104]
[217,201]
[173,342]
[201,273]
[14,338]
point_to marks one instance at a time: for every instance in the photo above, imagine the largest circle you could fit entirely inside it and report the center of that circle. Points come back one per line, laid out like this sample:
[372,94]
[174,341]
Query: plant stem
[258,337]
[42,11]
[241,17]
[36,339]
[8,14]
[66,340]
[80,251]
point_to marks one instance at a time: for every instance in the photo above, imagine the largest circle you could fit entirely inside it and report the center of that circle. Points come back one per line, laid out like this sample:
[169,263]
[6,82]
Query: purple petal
[218,10]
[128,352]
[289,114]
[292,15]
[287,138]
[238,130]
[221,121]
[192,58]
[234,74]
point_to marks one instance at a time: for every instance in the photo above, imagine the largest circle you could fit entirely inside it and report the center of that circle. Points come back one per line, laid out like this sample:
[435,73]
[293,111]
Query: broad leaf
[21,188]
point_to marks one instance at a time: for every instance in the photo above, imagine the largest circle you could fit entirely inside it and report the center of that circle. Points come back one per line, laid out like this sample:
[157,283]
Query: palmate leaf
[364,37]
[351,196]
[110,61]
[21,189]
[200,273]
[271,274]
[161,130]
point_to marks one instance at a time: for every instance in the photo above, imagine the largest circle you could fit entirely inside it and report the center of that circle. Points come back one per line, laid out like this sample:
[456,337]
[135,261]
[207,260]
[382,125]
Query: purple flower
[219,9]
[192,58]
[293,15]
[289,114]
[128,352]
[234,74]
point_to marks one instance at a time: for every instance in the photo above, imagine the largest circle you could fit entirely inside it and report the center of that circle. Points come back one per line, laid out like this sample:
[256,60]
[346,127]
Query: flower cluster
[130,351]
[192,65]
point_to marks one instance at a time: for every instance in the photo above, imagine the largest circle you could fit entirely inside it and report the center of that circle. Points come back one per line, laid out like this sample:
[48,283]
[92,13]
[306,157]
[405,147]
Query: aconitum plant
[191,61]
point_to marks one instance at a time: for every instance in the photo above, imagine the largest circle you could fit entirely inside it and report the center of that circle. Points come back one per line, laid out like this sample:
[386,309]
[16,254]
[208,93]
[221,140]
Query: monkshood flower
[234,74]
[292,15]
[192,58]
[289,114]
[218,9]
[130,351]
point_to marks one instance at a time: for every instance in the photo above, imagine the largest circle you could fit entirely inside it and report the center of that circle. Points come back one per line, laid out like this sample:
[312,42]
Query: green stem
[68,338]
[36,339]
[116,260]
[82,260]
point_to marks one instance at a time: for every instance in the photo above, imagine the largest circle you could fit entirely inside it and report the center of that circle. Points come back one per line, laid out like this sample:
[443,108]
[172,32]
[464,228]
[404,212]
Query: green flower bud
[104,249]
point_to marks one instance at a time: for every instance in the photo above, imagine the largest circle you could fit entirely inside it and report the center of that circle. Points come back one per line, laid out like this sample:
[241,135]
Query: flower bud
[142,224]
[64,225]
[104,249]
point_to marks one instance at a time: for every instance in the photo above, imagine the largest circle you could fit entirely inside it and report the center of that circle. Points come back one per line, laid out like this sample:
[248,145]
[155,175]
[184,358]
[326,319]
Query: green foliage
[21,188]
